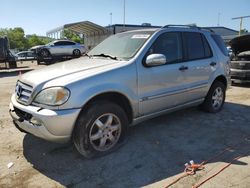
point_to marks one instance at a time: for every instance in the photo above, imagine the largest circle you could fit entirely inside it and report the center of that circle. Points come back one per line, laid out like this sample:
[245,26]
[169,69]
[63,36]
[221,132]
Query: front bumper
[238,75]
[52,125]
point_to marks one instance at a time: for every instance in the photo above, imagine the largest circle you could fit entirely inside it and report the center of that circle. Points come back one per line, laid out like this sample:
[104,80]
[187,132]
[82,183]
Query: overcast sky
[40,16]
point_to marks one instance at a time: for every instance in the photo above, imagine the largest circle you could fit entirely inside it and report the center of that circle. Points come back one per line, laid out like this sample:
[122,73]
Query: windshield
[123,45]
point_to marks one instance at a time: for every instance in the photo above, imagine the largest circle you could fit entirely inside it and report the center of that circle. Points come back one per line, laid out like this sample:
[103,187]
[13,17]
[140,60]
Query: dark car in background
[25,56]
[240,59]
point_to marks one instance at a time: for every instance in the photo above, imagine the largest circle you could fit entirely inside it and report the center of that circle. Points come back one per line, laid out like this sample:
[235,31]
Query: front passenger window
[168,44]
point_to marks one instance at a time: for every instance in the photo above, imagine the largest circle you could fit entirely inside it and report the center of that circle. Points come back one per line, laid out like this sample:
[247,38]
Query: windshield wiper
[105,55]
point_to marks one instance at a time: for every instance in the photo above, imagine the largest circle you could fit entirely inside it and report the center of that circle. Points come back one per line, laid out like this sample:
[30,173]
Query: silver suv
[126,79]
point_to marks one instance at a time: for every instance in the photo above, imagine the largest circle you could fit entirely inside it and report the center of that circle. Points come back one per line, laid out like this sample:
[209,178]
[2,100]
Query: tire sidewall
[76,54]
[208,106]
[45,53]
[85,121]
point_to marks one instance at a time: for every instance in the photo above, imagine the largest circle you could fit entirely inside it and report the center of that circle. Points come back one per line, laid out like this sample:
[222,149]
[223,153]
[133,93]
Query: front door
[162,87]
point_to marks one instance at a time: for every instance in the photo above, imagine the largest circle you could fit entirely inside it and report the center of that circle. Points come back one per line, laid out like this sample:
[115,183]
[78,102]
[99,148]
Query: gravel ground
[154,155]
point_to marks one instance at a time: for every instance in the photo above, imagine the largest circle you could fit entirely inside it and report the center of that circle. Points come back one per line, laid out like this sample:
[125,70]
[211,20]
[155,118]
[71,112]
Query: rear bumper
[239,75]
[52,125]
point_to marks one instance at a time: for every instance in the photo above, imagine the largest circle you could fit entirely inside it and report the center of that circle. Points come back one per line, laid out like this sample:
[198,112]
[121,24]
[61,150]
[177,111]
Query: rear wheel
[215,98]
[100,129]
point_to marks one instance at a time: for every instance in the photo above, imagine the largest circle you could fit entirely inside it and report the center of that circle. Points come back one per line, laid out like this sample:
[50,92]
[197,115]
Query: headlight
[53,96]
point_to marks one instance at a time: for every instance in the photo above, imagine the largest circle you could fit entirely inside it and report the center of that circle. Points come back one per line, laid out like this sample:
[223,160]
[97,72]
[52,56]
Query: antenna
[241,21]
[110,17]
[218,23]
[124,14]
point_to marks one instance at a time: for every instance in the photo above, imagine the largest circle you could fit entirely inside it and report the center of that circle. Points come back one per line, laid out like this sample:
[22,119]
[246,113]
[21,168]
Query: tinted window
[194,45]
[24,54]
[220,43]
[197,46]
[69,43]
[60,43]
[207,48]
[168,44]
[30,54]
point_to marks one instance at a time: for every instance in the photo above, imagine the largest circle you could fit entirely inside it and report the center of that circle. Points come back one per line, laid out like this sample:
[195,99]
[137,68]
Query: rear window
[220,43]
[197,46]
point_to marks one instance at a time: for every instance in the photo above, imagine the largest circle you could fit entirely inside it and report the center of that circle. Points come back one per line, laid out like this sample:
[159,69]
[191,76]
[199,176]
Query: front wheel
[76,53]
[45,53]
[215,98]
[100,129]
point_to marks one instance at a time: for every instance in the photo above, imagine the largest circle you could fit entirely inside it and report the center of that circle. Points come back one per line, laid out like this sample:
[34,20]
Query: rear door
[69,47]
[201,64]
[162,87]
[56,49]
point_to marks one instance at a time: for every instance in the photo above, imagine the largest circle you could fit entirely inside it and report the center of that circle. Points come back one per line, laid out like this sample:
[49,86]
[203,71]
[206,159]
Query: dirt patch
[154,154]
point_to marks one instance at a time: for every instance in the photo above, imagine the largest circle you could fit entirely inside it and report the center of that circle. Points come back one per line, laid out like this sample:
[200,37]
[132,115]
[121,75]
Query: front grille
[240,65]
[240,75]
[23,92]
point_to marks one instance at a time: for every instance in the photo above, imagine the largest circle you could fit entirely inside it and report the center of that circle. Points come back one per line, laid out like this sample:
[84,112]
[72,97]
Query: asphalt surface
[153,156]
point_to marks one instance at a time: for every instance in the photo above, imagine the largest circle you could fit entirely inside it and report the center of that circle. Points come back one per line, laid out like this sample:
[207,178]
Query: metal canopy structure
[92,33]
[86,28]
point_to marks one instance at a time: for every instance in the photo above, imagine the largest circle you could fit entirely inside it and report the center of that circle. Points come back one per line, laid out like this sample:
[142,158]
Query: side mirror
[155,60]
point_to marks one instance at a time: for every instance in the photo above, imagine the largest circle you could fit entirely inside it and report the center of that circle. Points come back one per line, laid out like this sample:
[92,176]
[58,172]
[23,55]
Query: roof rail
[184,26]
[189,26]
[206,28]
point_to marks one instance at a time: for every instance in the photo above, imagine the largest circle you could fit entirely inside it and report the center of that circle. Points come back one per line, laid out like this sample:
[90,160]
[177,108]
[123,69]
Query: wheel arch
[114,97]
[222,79]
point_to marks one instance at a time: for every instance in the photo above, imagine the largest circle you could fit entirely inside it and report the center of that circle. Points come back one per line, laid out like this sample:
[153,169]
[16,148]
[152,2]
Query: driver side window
[170,45]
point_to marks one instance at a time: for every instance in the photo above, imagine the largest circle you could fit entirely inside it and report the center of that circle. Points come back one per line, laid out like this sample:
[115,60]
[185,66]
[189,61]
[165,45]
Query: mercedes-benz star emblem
[18,90]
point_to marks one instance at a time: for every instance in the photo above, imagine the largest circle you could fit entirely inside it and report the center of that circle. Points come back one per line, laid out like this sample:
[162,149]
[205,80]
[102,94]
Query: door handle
[183,68]
[212,63]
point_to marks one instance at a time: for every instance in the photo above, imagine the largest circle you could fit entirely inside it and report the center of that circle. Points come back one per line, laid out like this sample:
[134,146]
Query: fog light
[36,122]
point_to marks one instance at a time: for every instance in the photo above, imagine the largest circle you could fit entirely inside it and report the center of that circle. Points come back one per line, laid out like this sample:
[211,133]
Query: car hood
[69,70]
[36,47]
[240,44]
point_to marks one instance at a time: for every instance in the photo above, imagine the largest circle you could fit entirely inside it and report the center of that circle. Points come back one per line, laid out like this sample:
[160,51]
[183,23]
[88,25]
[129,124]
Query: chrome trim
[239,70]
[169,110]
[173,92]
[23,92]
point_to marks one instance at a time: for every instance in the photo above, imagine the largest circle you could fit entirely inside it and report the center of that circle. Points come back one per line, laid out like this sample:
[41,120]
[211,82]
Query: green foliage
[35,40]
[70,35]
[243,31]
[18,40]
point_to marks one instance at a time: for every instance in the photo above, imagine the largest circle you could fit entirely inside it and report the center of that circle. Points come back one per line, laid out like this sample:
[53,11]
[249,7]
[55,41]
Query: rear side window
[197,46]
[207,48]
[69,43]
[220,43]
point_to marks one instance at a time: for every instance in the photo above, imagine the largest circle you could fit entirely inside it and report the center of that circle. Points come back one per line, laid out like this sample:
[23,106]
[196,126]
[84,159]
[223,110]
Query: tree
[243,31]
[34,40]
[19,41]
[72,36]
[16,38]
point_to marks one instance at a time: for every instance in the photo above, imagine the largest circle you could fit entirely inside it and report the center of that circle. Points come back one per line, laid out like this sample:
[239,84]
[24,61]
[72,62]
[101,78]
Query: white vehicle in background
[62,47]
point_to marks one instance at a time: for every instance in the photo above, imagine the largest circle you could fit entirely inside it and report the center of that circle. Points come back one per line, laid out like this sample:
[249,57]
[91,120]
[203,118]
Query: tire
[76,53]
[94,135]
[215,98]
[44,53]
